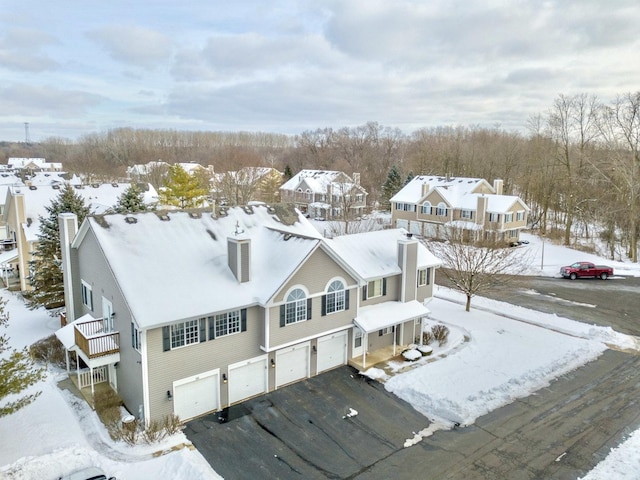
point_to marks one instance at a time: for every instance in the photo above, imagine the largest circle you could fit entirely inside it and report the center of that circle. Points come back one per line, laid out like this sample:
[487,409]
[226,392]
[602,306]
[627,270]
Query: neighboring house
[325,194]
[33,165]
[193,168]
[249,184]
[428,204]
[188,312]
[140,171]
[24,205]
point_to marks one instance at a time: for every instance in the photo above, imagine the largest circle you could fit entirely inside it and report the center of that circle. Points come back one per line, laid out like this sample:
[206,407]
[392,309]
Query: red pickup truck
[586,269]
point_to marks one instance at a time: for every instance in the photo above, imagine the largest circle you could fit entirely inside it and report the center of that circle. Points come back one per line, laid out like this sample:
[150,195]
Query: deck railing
[91,338]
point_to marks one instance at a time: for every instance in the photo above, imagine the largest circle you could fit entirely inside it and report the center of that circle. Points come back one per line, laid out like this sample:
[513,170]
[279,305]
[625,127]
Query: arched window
[335,298]
[296,307]
[441,210]
[426,208]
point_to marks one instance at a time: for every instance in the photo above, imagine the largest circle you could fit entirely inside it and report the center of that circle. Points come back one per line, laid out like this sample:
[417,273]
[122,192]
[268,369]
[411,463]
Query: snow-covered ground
[477,368]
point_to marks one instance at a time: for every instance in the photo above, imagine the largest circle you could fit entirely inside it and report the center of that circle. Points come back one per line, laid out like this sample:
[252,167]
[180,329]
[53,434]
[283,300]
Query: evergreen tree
[183,190]
[131,201]
[288,174]
[45,269]
[392,185]
[17,371]
[409,178]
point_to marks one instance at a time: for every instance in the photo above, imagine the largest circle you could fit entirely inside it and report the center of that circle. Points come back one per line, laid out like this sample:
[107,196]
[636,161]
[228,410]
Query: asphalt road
[560,432]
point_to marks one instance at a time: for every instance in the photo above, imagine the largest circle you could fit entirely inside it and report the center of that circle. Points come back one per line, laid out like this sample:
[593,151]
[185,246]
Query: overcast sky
[71,67]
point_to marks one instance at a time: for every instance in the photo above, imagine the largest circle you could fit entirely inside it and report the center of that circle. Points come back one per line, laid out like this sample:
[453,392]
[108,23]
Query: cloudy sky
[72,67]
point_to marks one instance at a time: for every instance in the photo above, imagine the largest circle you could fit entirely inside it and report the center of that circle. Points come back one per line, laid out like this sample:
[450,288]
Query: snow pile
[623,463]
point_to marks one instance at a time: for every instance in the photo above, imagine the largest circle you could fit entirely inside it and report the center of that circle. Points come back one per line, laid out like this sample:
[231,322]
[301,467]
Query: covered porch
[376,319]
[97,348]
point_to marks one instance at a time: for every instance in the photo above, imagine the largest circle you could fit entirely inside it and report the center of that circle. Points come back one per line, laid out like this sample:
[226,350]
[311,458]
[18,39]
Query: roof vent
[79,187]
[130,220]
[195,214]
[222,212]
[115,185]
[248,209]
[95,185]
[32,187]
[287,236]
[164,217]
[55,187]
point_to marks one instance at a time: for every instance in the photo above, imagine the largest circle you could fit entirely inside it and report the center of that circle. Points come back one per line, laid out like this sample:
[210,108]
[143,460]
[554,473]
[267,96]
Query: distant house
[429,203]
[247,185]
[24,205]
[325,194]
[140,171]
[32,165]
[188,312]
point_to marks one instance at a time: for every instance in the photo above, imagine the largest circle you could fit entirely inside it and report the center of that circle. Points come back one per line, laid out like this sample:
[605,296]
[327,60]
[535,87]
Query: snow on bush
[412,355]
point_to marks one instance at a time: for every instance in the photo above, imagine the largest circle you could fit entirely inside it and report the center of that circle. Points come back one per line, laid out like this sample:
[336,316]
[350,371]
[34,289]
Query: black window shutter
[324,305]
[364,293]
[384,286]
[166,338]
[282,315]
[243,320]
[212,328]
[428,275]
[379,333]
[308,309]
[346,299]
[203,330]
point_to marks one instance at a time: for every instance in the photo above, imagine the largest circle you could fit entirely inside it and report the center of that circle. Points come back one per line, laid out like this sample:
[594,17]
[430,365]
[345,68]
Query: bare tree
[475,268]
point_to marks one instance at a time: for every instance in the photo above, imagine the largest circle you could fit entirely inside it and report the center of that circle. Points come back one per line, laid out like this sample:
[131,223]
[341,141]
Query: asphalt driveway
[306,431]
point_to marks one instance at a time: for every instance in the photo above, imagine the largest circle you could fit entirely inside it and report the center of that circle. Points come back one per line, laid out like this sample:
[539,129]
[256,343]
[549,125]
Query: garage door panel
[292,364]
[196,395]
[332,351]
[247,379]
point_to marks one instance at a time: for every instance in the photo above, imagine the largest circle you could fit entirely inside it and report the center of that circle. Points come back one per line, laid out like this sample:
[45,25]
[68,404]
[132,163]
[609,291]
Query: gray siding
[393,293]
[166,367]
[95,271]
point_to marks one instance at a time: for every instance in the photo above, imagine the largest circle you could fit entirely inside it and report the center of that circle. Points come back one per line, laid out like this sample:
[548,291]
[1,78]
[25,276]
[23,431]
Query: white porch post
[92,392]
[394,340]
[78,371]
[364,350]
[422,325]
[402,333]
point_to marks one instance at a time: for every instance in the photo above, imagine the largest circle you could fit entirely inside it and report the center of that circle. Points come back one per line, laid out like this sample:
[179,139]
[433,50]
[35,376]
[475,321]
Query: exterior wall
[426,291]
[94,270]
[166,367]
[408,261]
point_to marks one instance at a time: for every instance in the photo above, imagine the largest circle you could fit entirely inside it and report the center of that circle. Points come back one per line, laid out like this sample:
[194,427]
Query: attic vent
[195,214]
[287,236]
[55,187]
[222,212]
[270,209]
[248,209]
[115,185]
[211,234]
[79,187]
[32,187]
[95,185]
[130,220]
[164,217]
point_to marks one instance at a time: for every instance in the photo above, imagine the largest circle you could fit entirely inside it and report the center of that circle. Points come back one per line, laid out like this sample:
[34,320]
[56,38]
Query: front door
[357,342]
[107,315]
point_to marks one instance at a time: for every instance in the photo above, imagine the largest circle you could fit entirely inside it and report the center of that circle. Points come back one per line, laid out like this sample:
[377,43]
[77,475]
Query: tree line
[576,166]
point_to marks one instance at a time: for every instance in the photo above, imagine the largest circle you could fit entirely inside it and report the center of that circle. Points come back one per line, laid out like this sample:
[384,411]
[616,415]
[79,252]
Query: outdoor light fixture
[315,350]
[224,378]
[273,364]
[169,396]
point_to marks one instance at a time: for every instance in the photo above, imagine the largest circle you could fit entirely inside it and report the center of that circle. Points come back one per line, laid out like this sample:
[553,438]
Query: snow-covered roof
[178,268]
[66,334]
[21,162]
[452,188]
[382,315]
[144,169]
[375,254]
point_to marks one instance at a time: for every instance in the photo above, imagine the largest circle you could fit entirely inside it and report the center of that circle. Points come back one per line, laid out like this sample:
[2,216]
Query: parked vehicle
[586,269]
[89,473]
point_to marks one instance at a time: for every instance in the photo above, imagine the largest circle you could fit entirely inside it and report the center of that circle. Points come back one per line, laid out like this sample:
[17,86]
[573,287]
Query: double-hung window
[423,277]
[508,217]
[184,333]
[467,214]
[296,307]
[335,298]
[441,211]
[87,295]
[227,323]
[519,216]
[374,288]
[136,339]
[494,217]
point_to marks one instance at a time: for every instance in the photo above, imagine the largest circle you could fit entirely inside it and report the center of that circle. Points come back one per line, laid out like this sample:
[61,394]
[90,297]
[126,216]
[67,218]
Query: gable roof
[450,188]
[177,269]
[375,254]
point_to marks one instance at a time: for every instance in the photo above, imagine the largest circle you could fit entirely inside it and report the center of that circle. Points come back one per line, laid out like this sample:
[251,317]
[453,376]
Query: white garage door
[400,223]
[332,351]
[247,379]
[415,227]
[196,395]
[292,364]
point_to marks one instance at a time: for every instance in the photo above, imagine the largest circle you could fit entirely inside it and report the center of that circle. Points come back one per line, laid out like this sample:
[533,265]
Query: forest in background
[577,166]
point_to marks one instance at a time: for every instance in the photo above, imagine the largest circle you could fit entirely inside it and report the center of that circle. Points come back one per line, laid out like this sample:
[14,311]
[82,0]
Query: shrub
[440,333]
[427,337]
[154,432]
[51,351]
[172,424]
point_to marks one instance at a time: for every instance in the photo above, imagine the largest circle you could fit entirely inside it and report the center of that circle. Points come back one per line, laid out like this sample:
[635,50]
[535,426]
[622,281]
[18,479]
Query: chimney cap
[409,235]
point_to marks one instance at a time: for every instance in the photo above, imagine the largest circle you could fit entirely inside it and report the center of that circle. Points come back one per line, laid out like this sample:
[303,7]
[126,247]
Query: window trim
[179,331]
[299,309]
[427,276]
[136,337]
[236,328]
[87,295]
